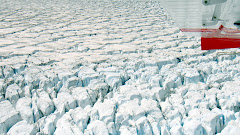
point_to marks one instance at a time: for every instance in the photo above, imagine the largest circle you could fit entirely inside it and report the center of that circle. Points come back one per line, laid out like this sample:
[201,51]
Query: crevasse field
[98,67]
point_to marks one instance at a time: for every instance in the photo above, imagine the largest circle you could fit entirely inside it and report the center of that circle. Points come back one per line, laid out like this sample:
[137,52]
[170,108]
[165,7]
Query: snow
[72,122]
[230,130]
[110,67]
[9,116]
[23,106]
[106,111]
[81,96]
[193,127]
[13,93]
[64,102]
[47,124]
[213,122]
[22,127]
[96,128]
[44,103]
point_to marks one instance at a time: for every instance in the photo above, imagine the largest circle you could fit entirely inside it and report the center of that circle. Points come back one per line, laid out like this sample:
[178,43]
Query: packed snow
[110,67]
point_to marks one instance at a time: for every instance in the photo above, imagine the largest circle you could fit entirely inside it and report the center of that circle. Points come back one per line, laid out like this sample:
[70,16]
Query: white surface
[196,14]
[9,116]
[118,67]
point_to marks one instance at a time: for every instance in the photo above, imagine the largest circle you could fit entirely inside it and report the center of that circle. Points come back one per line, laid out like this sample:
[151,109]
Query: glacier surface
[110,67]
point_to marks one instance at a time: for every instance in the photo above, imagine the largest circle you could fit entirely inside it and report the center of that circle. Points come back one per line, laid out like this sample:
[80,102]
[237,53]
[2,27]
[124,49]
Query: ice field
[99,67]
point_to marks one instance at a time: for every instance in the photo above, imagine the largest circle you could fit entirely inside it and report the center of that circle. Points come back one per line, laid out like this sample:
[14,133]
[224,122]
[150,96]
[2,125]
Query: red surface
[226,30]
[219,43]
[220,38]
[198,30]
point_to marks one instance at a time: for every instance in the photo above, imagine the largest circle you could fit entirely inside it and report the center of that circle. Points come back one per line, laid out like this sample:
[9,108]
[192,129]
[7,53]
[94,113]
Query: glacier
[110,67]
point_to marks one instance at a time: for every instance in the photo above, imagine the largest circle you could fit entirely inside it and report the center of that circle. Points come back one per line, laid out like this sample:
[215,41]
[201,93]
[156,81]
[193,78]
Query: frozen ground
[110,67]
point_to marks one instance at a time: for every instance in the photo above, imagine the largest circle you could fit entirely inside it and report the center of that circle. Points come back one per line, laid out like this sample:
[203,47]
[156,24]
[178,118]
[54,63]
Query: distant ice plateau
[72,67]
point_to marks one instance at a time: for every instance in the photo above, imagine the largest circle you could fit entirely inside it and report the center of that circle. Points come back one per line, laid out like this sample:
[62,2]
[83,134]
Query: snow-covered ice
[110,67]
[9,116]
[22,127]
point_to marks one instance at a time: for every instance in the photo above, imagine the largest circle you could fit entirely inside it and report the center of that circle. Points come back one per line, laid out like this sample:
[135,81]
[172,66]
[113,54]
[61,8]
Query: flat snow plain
[110,67]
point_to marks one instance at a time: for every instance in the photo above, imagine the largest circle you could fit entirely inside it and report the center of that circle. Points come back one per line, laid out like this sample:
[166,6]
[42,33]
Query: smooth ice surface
[110,67]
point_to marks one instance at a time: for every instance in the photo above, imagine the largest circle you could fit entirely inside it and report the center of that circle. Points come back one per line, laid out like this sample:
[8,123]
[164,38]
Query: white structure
[204,13]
